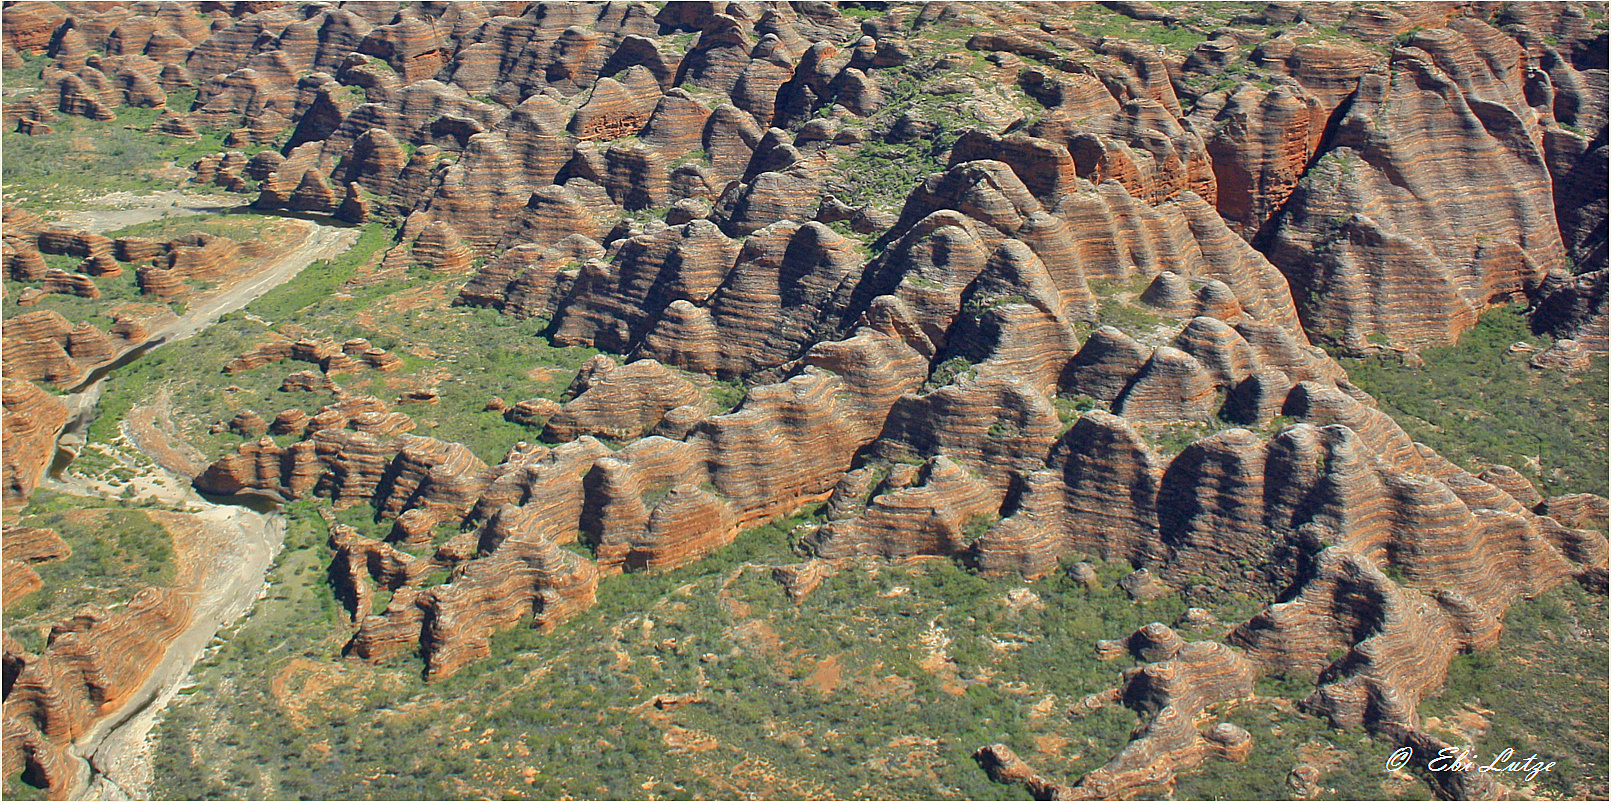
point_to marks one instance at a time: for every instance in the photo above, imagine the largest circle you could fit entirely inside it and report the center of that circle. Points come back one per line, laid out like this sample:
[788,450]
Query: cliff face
[32,420]
[1381,236]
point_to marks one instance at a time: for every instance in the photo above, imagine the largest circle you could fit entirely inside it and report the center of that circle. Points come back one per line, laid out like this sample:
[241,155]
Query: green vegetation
[1540,691]
[484,354]
[1110,288]
[237,224]
[29,74]
[1403,39]
[117,551]
[1351,763]
[883,174]
[1476,403]
[727,394]
[1119,306]
[1169,439]
[18,788]
[881,683]
[857,12]
[697,156]
[474,354]
[321,279]
[1131,317]
[114,291]
[1095,20]
[83,159]
[1071,406]
[949,371]
[883,171]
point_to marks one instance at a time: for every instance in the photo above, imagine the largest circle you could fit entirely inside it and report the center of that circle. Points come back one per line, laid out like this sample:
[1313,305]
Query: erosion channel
[115,752]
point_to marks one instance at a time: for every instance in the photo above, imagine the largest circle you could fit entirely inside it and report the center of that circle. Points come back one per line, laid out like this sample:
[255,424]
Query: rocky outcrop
[32,420]
[81,244]
[1097,496]
[1573,307]
[44,346]
[1142,145]
[92,665]
[523,574]
[1382,238]
[786,280]
[361,565]
[29,28]
[24,263]
[348,455]
[374,162]
[651,505]
[1171,386]
[330,356]
[440,249]
[159,282]
[923,359]
[1578,165]
[1262,144]
[622,403]
[556,212]
[616,108]
[25,546]
[203,256]
[439,477]
[1403,651]
[615,304]
[936,508]
[530,280]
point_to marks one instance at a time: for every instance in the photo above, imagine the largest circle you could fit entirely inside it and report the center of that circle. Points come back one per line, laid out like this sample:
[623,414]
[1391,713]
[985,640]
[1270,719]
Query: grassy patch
[1130,317]
[1169,439]
[117,551]
[1095,20]
[84,158]
[1070,406]
[882,172]
[727,395]
[1541,691]
[321,279]
[879,684]
[1351,763]
[115,290]
[1475,404]
[239,225]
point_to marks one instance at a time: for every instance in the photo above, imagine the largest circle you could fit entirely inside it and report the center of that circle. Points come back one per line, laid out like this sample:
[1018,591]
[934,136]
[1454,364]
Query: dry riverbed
[239,543]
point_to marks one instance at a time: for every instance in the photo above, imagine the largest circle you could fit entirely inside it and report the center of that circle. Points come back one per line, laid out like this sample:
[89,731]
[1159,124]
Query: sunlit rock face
[964,281]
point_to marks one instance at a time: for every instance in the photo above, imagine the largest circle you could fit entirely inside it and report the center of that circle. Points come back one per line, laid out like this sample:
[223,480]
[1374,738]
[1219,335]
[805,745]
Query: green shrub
[1476,403]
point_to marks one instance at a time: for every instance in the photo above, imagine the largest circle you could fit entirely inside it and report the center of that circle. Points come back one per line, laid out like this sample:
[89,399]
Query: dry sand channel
[116,752]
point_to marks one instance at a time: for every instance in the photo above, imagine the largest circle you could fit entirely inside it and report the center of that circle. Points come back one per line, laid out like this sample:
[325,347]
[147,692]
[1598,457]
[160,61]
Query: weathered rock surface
[1382,236]
[91,666]
[1362,174]
[621,403]
[524,573]
[32,420]
[1574,307]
